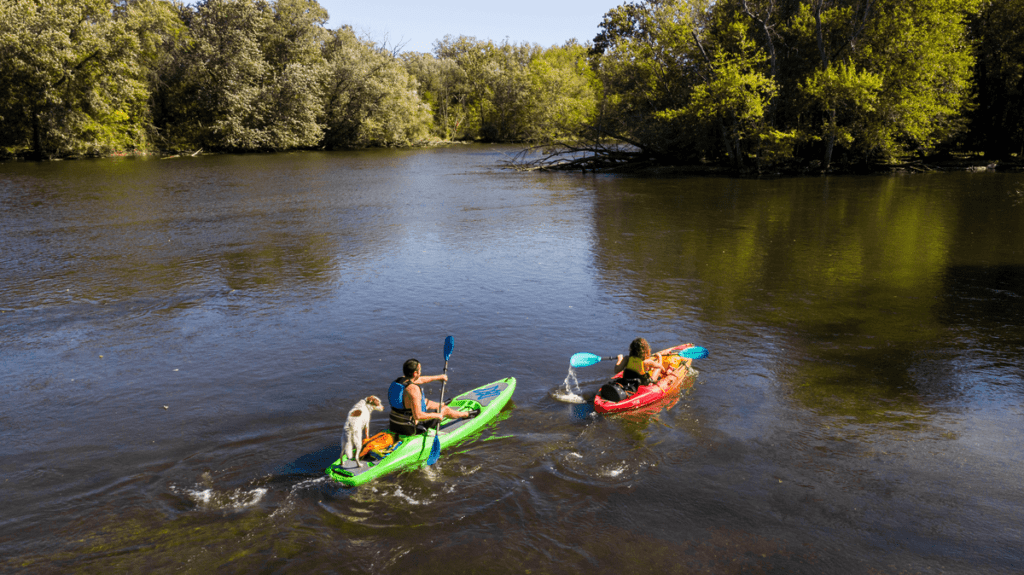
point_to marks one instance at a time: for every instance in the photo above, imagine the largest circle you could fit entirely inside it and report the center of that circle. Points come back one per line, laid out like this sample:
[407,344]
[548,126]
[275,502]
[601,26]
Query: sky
[415,25]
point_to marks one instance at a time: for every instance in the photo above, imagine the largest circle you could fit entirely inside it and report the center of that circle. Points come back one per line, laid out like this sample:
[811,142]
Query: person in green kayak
[410,409]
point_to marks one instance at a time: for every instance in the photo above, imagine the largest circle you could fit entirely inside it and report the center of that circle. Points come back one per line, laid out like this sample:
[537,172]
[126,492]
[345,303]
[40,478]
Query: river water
[180,340]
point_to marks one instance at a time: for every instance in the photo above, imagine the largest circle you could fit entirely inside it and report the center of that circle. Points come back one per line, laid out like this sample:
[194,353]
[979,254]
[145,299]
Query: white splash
[614,471]
[570,390]
[408,498]
[233,499]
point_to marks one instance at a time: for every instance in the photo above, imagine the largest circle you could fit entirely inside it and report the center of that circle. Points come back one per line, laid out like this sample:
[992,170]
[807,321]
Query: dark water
[861,410]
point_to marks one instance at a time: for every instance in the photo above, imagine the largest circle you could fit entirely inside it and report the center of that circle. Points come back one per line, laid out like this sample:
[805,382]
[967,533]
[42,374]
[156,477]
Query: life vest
[634,368]
[401,417]
[396,395]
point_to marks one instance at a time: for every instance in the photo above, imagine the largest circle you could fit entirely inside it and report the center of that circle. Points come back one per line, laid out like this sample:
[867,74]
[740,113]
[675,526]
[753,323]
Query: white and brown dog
[357,426]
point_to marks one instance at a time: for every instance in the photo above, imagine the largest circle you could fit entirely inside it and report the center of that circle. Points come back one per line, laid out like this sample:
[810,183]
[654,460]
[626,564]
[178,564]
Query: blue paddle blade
[449,345]
[694,352]
[583,359]
[435,451]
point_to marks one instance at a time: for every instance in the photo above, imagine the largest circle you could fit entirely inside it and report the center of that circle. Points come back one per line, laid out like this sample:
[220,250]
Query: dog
[357,426]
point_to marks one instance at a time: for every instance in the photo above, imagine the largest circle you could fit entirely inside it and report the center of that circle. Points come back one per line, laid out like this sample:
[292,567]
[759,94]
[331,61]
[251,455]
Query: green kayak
[412,451]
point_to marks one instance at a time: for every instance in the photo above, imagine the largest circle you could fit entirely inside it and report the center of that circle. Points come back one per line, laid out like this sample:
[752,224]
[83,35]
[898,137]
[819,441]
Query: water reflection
[858,273]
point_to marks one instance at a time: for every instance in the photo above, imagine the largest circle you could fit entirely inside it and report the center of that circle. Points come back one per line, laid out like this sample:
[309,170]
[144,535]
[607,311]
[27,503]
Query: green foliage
[775,80]
[247,77]
[563,94]
[100,76]
[371,99]
[506,92]
[70,78]
[998,121]
[735,98]
[493,96]
[444,85]
[920,50]
[752,82]
[846,96]
[648,64]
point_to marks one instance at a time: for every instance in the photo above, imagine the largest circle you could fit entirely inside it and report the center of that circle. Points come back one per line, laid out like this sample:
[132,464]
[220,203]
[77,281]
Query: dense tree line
[106,76]
[752,83]
[762,83]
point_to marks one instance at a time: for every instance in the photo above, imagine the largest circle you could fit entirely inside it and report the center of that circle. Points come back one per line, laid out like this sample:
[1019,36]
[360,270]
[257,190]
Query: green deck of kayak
[414,450]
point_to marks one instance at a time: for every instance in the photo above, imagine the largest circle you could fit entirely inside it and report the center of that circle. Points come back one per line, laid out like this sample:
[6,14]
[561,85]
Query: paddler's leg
[453,414]
[446,410]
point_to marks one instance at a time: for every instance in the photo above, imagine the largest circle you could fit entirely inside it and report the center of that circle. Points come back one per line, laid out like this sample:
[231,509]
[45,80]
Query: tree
[997,125]
[766,81]
[247,76]
[683,82]
[734,100]
[497,88]
[921,51]
[70,79]
[846,96]
[563,94]
[370,98]
[444,85]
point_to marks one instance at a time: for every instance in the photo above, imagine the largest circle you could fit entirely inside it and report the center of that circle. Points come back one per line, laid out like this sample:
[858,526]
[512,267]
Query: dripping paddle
[435,450]
[584,359]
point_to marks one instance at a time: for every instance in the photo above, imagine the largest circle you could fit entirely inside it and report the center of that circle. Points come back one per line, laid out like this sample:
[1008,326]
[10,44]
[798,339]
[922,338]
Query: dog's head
[373,402]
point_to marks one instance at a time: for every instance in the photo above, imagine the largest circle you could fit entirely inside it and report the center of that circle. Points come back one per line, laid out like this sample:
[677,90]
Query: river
[180,340]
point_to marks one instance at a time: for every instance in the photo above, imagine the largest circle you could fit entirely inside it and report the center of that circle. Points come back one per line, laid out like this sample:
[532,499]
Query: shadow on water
[311,464]
[989,299]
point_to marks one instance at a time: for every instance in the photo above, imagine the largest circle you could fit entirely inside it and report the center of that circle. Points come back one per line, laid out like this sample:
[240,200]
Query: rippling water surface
[180,339]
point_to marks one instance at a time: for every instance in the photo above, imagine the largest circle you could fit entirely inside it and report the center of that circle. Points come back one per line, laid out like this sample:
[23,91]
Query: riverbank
[607,160]
[916,167]
[945,163]
[26,156]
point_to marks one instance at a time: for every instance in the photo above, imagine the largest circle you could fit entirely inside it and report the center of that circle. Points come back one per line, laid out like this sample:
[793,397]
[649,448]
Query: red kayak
[674,375]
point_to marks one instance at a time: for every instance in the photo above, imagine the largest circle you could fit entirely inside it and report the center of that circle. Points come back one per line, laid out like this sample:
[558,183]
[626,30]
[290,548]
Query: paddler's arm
[413,393]
[620,363]
[653,366]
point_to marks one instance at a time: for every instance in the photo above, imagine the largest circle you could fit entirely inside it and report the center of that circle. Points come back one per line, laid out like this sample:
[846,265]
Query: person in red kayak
[640,367]
[409,409]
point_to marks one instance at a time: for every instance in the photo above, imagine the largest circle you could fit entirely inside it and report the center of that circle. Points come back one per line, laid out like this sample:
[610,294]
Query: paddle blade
[435,451]
[583,359]
[694,352]
[449,345]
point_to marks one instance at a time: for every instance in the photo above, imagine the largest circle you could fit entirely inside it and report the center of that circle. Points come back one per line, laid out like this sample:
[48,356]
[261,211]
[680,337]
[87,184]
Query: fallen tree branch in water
[592,157]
